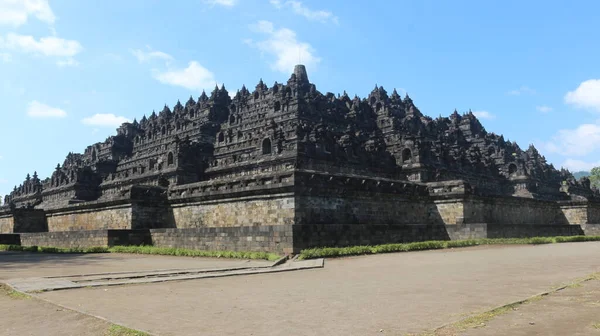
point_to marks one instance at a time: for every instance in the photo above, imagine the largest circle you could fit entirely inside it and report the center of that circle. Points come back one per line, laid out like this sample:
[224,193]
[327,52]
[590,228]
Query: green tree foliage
[595,176]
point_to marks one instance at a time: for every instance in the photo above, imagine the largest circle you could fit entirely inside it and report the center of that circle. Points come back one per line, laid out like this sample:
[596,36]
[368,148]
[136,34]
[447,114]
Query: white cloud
[47,46]
[105,120]
[283,45]
[299,8]
[580,141]
[40,110]
[522,90]
[195,77]
[544,109]
[484,115]
[579,165]
[225,3]
[16,12]
[147,56]
[2,181]
[587,95]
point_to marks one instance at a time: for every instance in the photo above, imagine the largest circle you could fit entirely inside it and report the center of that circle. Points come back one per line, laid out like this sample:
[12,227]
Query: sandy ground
[388,294]
[31,317]
[570,312]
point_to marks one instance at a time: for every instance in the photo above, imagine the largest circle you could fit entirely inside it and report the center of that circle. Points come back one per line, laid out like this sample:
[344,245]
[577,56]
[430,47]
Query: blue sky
[71,71]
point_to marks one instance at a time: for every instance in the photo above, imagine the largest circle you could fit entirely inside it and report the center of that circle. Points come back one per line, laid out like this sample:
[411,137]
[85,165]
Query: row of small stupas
[293,126]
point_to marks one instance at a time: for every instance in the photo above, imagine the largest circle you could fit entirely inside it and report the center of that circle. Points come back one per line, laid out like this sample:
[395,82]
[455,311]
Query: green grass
[117,330]
[145,250]
[193,253]
[4,289]
[332,252]
[319,252]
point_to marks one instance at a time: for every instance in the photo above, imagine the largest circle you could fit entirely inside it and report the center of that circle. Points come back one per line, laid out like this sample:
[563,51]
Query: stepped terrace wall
[7,223]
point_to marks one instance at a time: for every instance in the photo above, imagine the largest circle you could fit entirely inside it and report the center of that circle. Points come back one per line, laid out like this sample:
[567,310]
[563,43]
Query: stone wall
[66,239]
[510,211]
[594,213]
[364,209]
[7,223]
[29,220]
[277,209]
[10,239]
[319,235]
[591,229]
[92,238]
[85,217]
[575,213]
[265,238]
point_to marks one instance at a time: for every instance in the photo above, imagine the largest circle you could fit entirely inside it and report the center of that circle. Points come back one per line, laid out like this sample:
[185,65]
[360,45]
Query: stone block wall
[371,209]
[575,213]
[319,235]
[96,217]
[277,209]
[10,239]
[7,223]
[29,220]
[264,238]
[66,239]
[594,213]
[528,230]
[450,211]
[512,211]
[591,229]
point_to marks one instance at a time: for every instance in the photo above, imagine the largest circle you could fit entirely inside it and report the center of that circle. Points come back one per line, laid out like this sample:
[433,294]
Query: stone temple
[285,167]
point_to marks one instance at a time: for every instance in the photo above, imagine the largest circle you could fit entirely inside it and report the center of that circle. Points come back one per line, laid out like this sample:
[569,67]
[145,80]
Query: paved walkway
[26,265]
[572,312]
[388,294]
[30,317]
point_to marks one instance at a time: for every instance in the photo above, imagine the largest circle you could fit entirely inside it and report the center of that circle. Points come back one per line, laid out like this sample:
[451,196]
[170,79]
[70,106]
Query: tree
[595,177]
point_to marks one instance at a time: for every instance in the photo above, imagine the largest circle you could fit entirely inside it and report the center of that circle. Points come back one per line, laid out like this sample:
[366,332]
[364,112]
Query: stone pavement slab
[388,294]
[37,284]
[26,265]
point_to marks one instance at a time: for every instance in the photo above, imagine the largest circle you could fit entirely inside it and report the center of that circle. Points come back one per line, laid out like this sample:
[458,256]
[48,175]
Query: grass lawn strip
[332,252]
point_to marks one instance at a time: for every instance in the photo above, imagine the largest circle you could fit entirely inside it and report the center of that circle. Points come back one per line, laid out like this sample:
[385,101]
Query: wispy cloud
[580,141]
[16,12]
[195,77]
[224,3]
[579,165]
[484,115]
[50,46]
[40,110]
[283,45]
[544,109]
[105,120]
[586,95]
[300,9]
[523,90]
[150,55]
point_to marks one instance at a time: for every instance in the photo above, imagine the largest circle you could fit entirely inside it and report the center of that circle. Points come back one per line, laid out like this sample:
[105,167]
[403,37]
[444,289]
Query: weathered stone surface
[289,155]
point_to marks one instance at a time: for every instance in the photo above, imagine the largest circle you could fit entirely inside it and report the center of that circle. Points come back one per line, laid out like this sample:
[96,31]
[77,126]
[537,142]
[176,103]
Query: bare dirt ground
[22,316]
[573,311]
[389,294]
